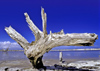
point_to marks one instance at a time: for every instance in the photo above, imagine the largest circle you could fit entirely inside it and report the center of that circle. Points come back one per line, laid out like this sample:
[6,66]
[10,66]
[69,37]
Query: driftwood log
[45,42]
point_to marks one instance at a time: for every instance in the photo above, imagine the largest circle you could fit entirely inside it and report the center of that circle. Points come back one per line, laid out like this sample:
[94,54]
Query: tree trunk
[45,42]
[36,63]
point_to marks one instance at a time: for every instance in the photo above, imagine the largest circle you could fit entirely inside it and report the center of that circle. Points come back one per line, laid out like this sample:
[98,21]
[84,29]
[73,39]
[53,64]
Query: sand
[51,65]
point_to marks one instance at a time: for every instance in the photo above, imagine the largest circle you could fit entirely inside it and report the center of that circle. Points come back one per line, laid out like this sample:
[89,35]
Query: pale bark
[45,42]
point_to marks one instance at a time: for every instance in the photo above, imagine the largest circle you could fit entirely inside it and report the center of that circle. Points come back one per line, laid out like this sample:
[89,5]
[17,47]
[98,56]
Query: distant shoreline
[64,49]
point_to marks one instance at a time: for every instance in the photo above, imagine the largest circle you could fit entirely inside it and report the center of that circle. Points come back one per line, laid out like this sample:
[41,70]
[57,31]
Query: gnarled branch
[37,33]
[17,37]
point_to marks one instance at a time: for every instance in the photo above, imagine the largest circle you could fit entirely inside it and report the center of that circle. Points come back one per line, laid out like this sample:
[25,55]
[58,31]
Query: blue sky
[74,16]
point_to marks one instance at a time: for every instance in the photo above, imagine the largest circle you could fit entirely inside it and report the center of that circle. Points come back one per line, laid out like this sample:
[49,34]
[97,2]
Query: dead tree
[45,42]
[5,50]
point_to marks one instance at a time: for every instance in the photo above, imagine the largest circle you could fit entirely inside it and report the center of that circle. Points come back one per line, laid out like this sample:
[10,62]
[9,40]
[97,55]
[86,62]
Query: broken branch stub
[45,42]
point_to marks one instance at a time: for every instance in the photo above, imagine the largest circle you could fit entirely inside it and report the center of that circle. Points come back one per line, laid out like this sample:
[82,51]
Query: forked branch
[44,20]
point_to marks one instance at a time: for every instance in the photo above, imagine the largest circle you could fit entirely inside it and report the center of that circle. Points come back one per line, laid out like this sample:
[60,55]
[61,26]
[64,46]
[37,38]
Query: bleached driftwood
[60,56]
[45,42]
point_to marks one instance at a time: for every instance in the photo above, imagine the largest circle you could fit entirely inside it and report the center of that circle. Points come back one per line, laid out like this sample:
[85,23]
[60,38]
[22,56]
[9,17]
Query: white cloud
[9,44]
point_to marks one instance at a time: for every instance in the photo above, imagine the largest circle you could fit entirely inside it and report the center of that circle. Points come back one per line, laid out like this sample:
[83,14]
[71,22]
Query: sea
[69,56]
